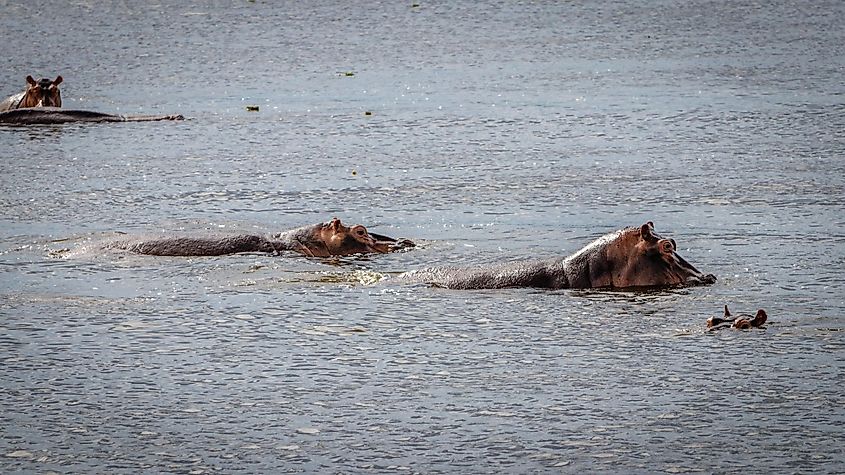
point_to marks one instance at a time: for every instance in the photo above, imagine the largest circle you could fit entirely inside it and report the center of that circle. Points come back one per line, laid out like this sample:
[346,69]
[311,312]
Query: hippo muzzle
[692,275]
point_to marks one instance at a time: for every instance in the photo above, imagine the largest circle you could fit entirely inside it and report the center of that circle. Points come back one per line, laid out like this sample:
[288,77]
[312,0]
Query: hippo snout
[703,279]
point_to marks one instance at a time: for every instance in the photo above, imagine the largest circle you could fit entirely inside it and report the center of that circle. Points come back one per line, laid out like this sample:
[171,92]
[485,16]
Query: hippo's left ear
[646,232]
[58,80]
[30,81]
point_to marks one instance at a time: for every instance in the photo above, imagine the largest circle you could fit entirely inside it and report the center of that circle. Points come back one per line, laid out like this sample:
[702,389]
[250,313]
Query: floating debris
[20,454]
[252,108]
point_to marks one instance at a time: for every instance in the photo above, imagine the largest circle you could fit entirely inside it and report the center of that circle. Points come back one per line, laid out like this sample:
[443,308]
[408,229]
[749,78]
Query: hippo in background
[318,240]
[41,103]
[628,258]
[41,93]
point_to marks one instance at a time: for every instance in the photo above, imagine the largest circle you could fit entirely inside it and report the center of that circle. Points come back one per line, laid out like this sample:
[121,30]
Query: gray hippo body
[55,115]
[12,102]
[319,240]
[631,257]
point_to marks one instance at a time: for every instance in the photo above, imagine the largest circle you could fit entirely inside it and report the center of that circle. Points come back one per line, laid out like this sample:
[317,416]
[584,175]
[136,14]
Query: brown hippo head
[340,240]
[42,93]
[639,257]
[740,322]
[743,322]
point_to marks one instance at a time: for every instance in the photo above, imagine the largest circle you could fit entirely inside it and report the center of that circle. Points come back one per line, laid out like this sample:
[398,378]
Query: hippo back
[55,115]
[12,102]
[305,240]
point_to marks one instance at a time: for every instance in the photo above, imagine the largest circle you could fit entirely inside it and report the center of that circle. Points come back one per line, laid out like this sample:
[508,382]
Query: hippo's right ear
[58,80]
[30,81]
[646,232]
[727,312]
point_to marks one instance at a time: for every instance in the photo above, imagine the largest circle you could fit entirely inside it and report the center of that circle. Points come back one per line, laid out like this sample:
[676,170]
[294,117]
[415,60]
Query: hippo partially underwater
[41,93]
[740,322]
[628,258]
[318,240]
[41,103]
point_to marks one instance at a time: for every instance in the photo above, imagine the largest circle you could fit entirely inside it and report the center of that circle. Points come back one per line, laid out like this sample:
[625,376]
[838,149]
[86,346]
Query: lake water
[497,131]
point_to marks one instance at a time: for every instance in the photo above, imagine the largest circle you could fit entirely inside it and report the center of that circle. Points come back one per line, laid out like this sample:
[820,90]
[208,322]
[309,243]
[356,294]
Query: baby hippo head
[646,259]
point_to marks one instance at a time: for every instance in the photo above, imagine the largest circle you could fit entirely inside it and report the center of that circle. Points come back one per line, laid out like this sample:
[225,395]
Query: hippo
[628,258]
[318,240]
[41,93]
[55,115]
[740,322]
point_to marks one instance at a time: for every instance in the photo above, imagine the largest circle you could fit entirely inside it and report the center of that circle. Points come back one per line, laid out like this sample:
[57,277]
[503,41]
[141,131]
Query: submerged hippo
[631,257]
[55,115]
[41,93]
[319,240]
[740,322]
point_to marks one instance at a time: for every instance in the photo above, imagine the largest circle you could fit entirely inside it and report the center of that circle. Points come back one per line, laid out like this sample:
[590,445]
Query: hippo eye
[361,232]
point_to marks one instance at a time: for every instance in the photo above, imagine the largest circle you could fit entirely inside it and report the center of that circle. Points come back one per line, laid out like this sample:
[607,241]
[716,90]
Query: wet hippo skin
[55,115]
[630,257]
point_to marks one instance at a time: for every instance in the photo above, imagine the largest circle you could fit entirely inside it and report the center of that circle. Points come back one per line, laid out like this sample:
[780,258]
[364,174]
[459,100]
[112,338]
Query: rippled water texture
[496,131]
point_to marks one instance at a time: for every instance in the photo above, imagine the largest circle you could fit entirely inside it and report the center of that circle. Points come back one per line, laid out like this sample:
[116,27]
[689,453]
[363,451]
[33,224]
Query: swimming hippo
[740,322]
[319,240]
[630,257]
[55,115]
[41,93]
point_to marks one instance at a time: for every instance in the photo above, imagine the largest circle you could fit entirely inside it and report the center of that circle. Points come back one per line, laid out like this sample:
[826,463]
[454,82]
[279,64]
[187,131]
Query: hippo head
[642,258]
[42,93]
[343,240]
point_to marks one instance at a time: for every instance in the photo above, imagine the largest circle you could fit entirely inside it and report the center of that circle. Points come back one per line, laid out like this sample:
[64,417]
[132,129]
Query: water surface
[497,131]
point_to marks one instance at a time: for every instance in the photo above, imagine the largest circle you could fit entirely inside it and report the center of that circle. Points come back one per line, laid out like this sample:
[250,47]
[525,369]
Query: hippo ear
[58,80]
[30,81]
[727,312]
[646,232]
[761,317]
[334,224]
